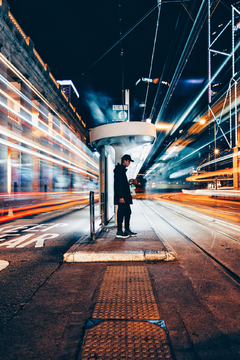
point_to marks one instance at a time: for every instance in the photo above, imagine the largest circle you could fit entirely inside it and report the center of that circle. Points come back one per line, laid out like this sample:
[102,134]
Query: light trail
[183,117]
[50,132]
[44,157]
[47,207]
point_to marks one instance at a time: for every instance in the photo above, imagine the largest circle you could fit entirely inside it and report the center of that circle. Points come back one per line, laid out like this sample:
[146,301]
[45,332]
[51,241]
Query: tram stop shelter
[113,141]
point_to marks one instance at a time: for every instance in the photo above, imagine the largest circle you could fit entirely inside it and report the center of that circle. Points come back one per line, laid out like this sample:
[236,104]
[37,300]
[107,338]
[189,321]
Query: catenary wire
[130,30]
[153,53]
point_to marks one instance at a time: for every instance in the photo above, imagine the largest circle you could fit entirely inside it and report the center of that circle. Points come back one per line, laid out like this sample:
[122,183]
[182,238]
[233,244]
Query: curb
[75,255]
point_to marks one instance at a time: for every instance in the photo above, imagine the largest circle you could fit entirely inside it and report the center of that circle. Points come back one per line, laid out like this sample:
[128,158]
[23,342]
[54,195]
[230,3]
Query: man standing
[122,197]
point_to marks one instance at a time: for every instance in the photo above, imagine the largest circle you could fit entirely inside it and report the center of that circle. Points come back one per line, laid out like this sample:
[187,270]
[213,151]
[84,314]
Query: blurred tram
[43,159]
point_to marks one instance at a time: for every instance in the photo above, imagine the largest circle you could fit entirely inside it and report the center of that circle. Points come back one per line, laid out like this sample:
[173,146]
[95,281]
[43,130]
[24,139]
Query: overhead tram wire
[121,51]
[164,68]
[130,30]
[158,140]
[153,53]
[155,103]
[188,12]
[154,107]
[191,41]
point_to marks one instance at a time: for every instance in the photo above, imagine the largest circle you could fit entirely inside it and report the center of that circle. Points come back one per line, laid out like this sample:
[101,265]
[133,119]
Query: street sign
[120,112]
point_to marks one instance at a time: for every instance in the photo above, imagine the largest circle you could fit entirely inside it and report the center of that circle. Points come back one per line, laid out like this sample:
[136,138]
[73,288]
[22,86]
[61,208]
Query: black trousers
[124,211]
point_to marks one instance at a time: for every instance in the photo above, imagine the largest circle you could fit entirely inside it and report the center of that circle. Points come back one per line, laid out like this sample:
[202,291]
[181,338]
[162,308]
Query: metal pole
[233,44]
[236,119]
[102,209]
[209,55]
[230,113]
[90,206]
[92,215]
[215,144]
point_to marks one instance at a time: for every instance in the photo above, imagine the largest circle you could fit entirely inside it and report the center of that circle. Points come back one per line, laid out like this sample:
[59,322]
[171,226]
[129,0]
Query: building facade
[42,137]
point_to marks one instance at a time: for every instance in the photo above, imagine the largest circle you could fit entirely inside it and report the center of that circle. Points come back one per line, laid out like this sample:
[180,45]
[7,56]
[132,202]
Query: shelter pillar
[106,167]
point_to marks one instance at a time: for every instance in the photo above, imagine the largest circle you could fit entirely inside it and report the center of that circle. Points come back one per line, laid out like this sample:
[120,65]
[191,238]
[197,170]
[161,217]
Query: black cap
[127,157]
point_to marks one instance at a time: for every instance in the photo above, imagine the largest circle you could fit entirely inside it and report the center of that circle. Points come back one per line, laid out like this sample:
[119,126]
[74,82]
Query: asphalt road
[34,248]
[45,304]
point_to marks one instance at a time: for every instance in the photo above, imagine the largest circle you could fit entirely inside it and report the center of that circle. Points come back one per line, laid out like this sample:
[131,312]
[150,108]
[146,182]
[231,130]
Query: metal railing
[93,218]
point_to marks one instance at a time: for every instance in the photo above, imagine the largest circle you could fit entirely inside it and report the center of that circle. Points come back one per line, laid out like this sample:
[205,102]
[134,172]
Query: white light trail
[18,73]
[183,117]
[50,132]
[32,144]
[44,157]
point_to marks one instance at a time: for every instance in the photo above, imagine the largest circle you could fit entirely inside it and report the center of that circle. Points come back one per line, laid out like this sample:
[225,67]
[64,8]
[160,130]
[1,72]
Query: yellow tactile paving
[125,340]
[125,294]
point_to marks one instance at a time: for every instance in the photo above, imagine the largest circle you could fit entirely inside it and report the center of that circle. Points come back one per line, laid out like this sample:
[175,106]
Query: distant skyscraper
[70,91]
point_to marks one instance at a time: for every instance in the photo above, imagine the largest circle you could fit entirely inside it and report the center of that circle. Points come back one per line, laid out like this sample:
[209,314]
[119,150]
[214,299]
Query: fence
[100,203]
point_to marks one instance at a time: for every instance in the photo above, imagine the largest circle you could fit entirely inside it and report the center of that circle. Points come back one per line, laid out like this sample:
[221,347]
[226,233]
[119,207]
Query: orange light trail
[208,175]
[32,210]
[210,212]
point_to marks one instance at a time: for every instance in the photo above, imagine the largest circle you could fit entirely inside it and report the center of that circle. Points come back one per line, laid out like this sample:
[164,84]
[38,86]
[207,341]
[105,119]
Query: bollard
[92,215]
[15,186]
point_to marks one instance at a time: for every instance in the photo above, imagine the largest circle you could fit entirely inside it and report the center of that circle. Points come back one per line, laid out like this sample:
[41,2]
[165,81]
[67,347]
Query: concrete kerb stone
[150,255]
[74,254]
[69,255]
[127,255]
[106,256]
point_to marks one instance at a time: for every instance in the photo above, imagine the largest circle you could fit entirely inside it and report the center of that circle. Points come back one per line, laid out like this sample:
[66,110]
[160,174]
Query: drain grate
[93,322]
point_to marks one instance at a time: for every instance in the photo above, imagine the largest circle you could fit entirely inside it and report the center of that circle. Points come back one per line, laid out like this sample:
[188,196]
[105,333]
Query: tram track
[198,222]
[172,198]
[217,262]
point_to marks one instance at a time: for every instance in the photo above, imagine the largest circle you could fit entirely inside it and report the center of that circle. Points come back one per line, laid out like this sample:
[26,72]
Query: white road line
[3,264]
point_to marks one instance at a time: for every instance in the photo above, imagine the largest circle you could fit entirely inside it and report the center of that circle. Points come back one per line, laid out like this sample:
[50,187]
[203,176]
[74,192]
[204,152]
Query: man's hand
[122,201]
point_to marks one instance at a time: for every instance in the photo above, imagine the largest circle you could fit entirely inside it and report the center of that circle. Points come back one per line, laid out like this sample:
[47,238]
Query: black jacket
[121,185]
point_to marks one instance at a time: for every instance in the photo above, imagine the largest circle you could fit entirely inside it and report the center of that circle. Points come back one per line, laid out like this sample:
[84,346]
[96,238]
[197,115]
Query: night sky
[71,36]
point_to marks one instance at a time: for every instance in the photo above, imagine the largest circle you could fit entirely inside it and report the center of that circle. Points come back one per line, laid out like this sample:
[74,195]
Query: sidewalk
[149,245]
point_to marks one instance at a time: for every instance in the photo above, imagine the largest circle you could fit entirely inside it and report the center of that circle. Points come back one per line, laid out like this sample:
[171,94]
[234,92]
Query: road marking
[19,240]
[15,242]
[3,264]
[40,240]
[55,225]
[37,226]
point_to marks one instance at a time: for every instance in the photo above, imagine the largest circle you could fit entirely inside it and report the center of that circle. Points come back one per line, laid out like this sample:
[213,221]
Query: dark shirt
[121,185]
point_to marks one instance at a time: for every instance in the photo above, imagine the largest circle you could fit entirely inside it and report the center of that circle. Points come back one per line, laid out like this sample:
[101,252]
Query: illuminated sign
[120,112]
[237,26]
